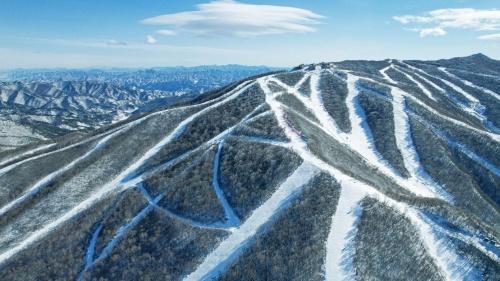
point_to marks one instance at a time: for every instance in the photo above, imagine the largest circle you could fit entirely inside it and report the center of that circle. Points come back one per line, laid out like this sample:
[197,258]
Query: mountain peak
[478,56]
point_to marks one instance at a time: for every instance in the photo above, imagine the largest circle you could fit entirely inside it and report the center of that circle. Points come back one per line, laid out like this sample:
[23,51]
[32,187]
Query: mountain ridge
[316,165]
[43,106]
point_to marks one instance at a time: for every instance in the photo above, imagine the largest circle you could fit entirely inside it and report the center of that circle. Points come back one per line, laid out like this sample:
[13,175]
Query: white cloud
[412,19]
[167,32]
[150,40]
[436,31]
[114,42]
[437,22]
[495,36]
[231,18]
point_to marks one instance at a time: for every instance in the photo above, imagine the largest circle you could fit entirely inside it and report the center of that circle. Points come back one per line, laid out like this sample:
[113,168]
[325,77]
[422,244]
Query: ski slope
[415,196]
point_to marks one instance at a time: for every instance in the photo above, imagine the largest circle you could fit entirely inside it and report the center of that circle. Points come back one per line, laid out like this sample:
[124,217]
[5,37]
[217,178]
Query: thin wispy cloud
[236,19]
[114,42]
[150,40]
[433,31]
[495,36]
[439,22]
[166,32]
[132,45]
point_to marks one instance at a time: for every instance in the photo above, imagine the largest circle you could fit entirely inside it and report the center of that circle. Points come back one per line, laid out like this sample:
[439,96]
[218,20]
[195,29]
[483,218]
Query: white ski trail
[468,239]
[232,219]
[358,140]
[384,70]
[416,72]
[339,264]
[27,153]
[134,180]
[33,190]
[493,136]
[419,179]
[470,84]
[228,250]
[462,148]
[422,87]
[451,265]
[89,256]
[12,166]
[362,141]
[318,108]
[264,141]
[473,107]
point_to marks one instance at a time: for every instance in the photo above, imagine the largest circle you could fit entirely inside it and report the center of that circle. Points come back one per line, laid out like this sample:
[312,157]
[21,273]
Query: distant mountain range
[353,170]
[42,104]
[196,79]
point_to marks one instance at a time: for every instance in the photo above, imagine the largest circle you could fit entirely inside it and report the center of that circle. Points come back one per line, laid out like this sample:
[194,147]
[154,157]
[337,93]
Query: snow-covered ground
[338,264]
[339,245]
[13,135]
[118,182]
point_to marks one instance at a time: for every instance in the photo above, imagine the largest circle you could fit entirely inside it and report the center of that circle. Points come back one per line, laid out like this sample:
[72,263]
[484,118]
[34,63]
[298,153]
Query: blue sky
[144,33]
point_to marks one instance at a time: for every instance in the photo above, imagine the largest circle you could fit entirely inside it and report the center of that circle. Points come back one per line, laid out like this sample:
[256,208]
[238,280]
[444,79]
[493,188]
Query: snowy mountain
[39,105]
[37,111]
[356,170]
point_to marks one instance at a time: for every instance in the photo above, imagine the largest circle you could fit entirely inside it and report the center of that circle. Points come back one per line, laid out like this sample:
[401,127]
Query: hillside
[356,170]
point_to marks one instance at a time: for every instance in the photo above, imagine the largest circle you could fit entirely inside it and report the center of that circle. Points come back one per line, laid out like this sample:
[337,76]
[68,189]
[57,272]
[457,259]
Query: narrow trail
[41,184]
[384,70]
[419,178]
[264,141]
[89,255]
[419,85]
[413,162]
[319,110]
[417,74]
[494,136]
[232,219]
[461,147]
[233,246]
[473,106]
[470,84]
[27,153]
[339,264]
